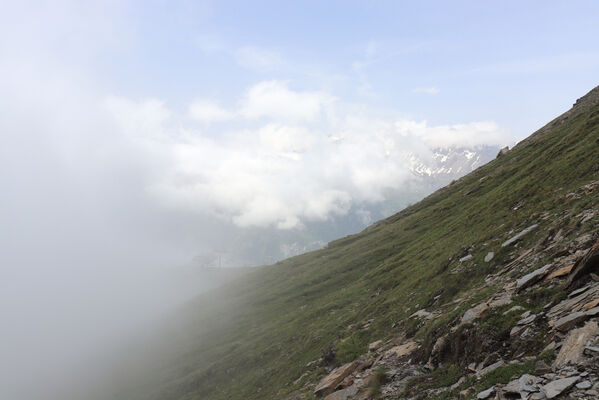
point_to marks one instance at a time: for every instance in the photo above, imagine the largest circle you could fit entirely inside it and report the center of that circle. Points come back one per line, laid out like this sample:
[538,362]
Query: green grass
[254,338]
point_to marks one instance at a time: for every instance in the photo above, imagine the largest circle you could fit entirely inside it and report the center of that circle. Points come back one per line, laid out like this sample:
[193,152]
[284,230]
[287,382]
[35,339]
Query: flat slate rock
[520,235]
[331,381]
[531,278]
[343,394]
[485,394]
[555,388]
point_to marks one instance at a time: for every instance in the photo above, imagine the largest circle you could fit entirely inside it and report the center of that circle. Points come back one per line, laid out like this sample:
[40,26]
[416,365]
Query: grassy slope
[254,341]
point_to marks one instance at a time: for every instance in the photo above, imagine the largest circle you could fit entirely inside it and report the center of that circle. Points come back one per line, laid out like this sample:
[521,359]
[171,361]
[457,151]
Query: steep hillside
[440,284]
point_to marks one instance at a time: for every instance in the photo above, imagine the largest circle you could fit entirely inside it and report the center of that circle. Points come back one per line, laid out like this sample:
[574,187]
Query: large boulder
[557,387]
[573,348]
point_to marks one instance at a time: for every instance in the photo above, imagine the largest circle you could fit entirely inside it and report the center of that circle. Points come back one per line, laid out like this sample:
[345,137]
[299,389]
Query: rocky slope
[486,289]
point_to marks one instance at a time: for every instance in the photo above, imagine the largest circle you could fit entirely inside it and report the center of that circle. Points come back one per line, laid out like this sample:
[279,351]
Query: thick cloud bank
[281,157]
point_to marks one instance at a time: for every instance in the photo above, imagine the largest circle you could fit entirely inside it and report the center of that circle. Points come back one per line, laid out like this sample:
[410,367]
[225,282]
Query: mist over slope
[277,332]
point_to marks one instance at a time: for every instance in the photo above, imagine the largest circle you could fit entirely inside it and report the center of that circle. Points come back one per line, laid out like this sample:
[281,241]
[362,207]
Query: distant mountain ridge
[451,162]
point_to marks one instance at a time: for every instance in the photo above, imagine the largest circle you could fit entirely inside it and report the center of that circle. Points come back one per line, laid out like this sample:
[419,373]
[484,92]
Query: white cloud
[427,90]
[208,111]
[470,134]
[273,99]
[307,158]
[258,59]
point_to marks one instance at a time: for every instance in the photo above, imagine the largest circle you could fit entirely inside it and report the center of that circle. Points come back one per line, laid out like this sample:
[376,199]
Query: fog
[106,196]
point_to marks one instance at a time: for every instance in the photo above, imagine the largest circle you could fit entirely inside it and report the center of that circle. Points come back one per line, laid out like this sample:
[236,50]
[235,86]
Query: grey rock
[523,385]
[584,385]
[343,394]
[565,323]
[537,396]
[466,258]
[485,394]
[491,368]
[555,388]
[592,312]
[529,279]
[542,368]
[527,320]
[519,236]
[577,303]
[573,347]
[516,330]
[594,349]
[474,313]
[512,387]
[489,256]
[578,291]
[514,308]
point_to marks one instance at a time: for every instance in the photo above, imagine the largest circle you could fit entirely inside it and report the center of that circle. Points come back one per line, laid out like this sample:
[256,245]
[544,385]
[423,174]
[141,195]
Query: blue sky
[217,108]
[517,63]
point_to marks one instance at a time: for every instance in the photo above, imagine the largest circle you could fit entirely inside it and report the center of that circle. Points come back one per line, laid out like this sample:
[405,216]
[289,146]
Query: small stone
[491,368]
[375,345]
[474,313]
[584,385]
[516,330]
[527,320]
[542,368]
[591,349]
[423,314]
[550,346]
[466,258]
[489,256]
[485,394]
[402,350]
[458,383]
[519,236]
[514,308]
[579,291]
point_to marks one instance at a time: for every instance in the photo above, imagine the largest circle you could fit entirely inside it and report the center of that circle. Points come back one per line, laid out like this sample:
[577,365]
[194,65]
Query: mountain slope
[276,332]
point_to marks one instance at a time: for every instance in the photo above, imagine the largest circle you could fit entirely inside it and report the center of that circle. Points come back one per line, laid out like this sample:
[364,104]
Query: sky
[135,135]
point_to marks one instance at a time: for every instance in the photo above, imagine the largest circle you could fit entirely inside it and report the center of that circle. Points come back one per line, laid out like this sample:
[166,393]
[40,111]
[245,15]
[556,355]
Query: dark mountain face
[487,287]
